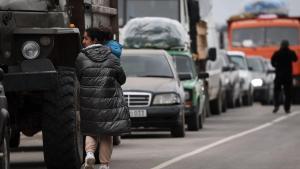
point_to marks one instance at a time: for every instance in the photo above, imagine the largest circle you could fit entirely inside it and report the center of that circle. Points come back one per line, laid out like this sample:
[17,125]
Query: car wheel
[193,120]
[248,99]
[230,101]
[4,150]
[224,103]
[178,130]
[216,105]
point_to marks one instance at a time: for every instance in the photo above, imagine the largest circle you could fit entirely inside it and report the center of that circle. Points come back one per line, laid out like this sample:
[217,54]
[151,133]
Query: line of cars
[236,80]
[164,90]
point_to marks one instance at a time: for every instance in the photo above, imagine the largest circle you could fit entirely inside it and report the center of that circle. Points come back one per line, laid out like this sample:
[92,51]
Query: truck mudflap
[33,75]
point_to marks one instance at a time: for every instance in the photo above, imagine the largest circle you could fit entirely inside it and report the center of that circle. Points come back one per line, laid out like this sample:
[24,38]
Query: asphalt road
[244,138]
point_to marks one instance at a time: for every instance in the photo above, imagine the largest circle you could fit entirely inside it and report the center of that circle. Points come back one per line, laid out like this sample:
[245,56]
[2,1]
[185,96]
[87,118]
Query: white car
[239,59]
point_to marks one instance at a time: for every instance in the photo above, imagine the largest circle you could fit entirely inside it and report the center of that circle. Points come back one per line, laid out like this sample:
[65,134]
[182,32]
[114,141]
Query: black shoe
[275,110]
[287,111]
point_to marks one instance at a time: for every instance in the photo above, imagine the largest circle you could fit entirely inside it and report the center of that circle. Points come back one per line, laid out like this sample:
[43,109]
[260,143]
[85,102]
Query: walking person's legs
[277,91]
[287,92]
[90,148]
[105,152]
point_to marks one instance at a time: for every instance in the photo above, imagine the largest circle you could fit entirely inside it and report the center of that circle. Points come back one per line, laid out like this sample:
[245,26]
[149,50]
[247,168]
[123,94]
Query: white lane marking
[225,140]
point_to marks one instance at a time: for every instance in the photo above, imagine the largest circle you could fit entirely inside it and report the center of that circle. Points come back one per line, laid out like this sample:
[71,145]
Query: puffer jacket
[103,110]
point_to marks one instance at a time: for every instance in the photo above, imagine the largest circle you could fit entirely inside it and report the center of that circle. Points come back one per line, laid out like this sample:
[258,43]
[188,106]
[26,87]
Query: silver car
[239,59]
[153,91]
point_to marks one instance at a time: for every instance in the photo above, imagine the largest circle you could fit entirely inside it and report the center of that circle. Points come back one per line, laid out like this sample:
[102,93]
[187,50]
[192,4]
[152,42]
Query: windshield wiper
[162,76]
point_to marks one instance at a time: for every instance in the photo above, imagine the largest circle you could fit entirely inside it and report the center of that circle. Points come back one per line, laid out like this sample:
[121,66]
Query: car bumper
[260,93]
[158,116]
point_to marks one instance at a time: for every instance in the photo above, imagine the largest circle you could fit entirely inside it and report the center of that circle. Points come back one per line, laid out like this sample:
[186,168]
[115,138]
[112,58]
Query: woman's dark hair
[101,34]
[107,32]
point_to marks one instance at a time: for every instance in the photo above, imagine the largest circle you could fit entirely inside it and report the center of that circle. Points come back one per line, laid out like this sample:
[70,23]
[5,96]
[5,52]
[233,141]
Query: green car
[193,87]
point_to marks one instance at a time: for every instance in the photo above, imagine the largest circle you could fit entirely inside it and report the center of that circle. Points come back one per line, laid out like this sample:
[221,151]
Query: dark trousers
[286,84]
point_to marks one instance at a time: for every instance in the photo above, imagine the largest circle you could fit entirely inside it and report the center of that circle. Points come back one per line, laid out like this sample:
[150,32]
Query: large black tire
[216,105]
[4,150]
[61,134]
[178,130]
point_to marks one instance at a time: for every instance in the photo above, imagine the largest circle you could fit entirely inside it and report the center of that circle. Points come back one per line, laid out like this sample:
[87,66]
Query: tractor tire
[62,138]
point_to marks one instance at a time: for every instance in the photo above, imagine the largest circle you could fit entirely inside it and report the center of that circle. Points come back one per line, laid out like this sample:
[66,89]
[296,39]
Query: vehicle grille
[137,99]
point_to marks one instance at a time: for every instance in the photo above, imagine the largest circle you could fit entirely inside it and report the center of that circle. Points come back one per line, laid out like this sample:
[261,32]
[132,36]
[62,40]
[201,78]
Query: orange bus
[261,36]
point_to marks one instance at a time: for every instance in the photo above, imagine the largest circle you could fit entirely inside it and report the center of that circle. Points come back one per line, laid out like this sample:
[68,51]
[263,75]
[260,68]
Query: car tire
[230,100]
[193,119]
[179,130]
[62,139]
[4,149]
[216,105]
[267,100]
[224,103]
[248,99]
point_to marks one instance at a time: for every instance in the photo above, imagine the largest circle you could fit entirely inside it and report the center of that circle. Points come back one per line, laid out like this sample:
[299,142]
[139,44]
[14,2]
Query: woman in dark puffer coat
[103,110]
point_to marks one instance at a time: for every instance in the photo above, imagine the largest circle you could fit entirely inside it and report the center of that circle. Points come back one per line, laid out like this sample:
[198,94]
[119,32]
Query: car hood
[150,84]
[257,75]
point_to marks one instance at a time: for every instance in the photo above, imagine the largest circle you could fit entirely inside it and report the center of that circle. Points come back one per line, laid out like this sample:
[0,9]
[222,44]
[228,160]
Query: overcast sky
[222,9]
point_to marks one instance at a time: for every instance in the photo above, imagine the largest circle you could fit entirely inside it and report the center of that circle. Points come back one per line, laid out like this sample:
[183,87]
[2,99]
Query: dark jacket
[103,109]
[282,61]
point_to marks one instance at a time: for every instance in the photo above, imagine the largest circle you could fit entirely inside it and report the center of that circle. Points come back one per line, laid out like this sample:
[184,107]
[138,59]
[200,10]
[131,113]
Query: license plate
[138,113]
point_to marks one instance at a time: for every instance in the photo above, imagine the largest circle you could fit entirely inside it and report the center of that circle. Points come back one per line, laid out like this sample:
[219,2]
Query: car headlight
[257,82]
[170,98]
[30,50]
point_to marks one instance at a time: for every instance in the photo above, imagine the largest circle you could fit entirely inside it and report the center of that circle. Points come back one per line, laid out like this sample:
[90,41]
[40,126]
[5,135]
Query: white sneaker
[89,161]
[104,167]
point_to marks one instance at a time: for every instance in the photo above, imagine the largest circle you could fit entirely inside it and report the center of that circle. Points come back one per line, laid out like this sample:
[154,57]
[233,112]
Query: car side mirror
[203,75]
[212,54]
[1,74]
[226,69]
[185,76]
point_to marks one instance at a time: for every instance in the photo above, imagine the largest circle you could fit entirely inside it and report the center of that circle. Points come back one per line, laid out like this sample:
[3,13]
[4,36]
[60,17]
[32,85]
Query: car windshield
[264,36]
[184,65]
[154,8]
[30,5]
[146,66]
[239,61]
[255,64]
